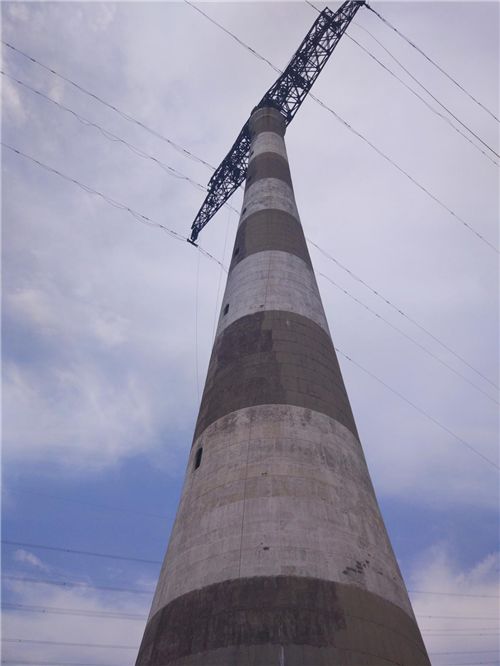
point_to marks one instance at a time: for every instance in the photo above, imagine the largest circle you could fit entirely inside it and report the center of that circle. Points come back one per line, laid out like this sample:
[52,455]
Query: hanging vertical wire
[196,325]
[229,212]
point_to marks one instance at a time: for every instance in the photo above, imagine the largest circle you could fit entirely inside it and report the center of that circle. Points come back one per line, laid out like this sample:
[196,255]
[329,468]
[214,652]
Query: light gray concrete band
[281,490]
[271,280]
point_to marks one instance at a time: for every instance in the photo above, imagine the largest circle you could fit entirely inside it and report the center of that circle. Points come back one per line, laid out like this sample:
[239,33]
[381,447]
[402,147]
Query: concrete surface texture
[278,555]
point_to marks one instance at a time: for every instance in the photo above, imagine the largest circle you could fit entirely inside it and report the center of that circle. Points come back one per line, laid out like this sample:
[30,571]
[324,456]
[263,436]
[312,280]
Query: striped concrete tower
[278,555]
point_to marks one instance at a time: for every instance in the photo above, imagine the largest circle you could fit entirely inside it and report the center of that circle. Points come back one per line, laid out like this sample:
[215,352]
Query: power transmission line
[406,174]
[456,594]
[107,588]
[459,617]
[135,616]
[138,151]
[427,91]
[398,309]
[73,551]
[124,115]
[408,337]
[462,652]
[24,662]
[72,611]
[114,137]
[424,101]
[417,48]
[359,135]
[424,413]
[144,219]
[75,584]
[107,555]
[62,643]
[94,505]
[318,247]
[344,268]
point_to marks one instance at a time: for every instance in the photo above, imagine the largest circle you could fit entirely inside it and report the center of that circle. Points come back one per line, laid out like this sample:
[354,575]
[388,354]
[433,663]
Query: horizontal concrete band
[287,612]
[268,142]
[268,193]
[280,491]
[271,280]
[268,165]
[270,230]
[267,120]
[274,357]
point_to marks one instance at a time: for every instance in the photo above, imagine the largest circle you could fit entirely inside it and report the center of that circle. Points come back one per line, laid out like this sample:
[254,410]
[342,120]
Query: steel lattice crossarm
[286,94]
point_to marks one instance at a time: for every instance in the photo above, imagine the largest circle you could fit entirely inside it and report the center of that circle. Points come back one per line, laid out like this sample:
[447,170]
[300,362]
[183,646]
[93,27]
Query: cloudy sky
[108,321]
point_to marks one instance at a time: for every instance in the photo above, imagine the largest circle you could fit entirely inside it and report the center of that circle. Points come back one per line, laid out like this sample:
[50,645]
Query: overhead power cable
[24,662]
[398,309]
[114,138]
[424,413]
[459,617]
[358,134]
[429,59]
[93,505]
[83,612]
[123,114]
[456,594]
[73,551]
[145,219]
[462,652]
[140,217]
[406,174]
[75,585]
[416,94]
[171,170]
[65,644]
[408,337]
[107,588]
[419,83]
[424,101]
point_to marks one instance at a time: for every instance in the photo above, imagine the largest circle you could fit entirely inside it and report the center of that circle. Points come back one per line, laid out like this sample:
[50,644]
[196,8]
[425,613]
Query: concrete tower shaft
[279,554]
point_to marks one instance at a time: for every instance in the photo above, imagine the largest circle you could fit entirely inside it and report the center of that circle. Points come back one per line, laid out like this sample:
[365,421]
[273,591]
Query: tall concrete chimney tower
[278,555]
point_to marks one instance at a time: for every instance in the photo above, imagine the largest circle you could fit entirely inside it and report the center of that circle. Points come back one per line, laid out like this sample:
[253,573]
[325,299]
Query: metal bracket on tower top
[286,95]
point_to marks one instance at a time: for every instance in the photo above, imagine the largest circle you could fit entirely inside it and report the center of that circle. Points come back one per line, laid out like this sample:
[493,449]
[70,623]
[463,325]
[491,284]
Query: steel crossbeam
[286,94]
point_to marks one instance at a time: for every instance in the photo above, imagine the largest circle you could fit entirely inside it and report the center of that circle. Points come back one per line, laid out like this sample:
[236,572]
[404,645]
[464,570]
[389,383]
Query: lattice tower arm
[286,94]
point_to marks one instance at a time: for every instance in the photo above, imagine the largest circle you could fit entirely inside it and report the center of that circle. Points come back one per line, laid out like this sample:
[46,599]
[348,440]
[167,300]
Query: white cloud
[26,557]
[87,627]
[12,105]
[438,571]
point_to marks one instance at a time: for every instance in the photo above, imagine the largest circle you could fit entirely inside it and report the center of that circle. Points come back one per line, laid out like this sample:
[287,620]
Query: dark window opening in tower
[226,309]
[197,458]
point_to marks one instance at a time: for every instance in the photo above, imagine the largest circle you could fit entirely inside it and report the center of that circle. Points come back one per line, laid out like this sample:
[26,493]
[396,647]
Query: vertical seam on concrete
[267,281]
[245,493]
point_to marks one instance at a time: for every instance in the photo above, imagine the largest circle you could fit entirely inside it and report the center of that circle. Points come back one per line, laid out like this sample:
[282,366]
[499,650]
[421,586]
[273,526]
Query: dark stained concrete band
[270,229]
[267,120]
[241,621]
[268,165]
[274,357]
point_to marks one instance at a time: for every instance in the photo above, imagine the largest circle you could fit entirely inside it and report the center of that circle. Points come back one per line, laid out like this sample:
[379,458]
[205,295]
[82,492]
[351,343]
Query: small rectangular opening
[236,250]
[197,458]
[226,309]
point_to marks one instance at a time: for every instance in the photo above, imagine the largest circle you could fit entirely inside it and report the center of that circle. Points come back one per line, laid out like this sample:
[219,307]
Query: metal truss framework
[286,94]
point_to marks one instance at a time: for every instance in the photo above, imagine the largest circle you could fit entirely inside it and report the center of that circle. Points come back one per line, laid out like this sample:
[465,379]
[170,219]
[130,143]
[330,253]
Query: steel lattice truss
[286,94]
